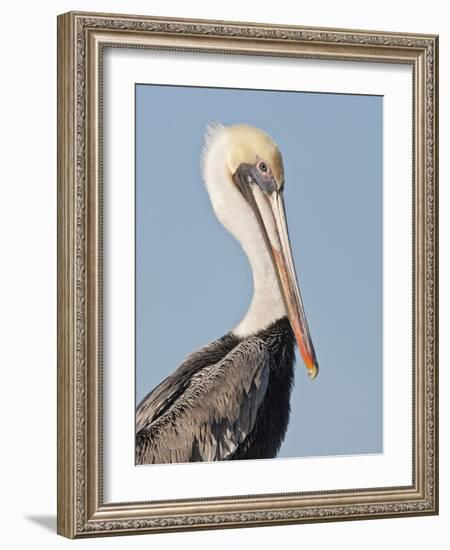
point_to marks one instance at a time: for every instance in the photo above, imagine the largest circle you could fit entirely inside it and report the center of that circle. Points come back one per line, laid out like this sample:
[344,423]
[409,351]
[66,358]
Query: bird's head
[244,176]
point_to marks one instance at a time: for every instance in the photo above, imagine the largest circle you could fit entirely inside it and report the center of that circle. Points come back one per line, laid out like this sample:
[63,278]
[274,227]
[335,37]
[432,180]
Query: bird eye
[263,166]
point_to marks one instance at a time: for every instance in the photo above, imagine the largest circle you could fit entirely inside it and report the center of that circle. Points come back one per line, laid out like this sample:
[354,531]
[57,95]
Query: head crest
[244,144]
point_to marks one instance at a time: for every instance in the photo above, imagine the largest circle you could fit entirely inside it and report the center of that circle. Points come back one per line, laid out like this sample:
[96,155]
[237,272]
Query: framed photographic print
[247,274]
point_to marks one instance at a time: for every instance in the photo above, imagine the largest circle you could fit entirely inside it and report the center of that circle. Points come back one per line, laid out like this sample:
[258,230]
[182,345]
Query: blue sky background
[193,281]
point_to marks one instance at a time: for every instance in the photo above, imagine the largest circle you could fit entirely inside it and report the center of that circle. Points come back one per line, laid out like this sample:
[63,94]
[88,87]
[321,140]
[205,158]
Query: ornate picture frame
[82,40]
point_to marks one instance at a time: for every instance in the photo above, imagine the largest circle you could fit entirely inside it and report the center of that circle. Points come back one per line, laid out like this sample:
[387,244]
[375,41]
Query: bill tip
[313,371]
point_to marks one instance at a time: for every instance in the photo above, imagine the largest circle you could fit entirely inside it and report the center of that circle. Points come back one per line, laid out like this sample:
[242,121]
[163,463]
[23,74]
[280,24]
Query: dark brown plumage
[227,401]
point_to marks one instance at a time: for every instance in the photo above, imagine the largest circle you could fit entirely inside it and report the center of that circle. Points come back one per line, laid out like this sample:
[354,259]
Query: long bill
[271,215]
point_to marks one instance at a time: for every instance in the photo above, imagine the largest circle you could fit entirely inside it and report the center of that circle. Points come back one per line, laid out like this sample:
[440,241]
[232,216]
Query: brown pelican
[230,399]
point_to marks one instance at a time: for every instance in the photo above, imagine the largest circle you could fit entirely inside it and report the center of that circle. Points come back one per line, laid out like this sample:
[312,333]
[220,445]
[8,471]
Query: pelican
[231,399]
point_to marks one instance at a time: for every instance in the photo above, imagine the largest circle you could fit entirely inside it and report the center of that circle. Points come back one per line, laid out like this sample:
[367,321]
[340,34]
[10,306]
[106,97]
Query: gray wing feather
[164,395]
[215,412]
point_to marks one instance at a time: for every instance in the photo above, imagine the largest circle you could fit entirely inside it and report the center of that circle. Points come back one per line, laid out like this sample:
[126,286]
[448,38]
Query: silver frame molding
[81,39]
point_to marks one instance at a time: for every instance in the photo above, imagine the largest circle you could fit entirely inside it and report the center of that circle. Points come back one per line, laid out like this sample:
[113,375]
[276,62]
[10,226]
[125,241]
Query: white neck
[233,211]
[267,304]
